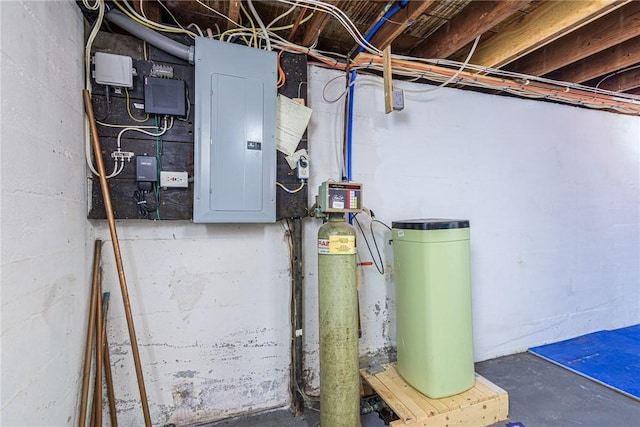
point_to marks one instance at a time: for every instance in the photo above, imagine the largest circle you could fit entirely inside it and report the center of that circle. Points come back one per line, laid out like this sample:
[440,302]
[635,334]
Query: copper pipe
[296,24]
[118,255]
[97,396]
[107,363]
[96,390]
[86,373]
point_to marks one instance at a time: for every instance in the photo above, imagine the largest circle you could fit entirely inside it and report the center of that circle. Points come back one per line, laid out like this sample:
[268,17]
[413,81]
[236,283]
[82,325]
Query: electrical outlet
[174,179]
[303,168]
[398,100]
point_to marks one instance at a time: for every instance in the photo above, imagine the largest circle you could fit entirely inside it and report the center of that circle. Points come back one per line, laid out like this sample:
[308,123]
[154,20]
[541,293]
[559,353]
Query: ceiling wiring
[602,80]
[95,6]
[340,16]
[199,31]
[253,28]
[507,82]
[220,14]
[260,23]
[282,15]
[128,10]
[195,27]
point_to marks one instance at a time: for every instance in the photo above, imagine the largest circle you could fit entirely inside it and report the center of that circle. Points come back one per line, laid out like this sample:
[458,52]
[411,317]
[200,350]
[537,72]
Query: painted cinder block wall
[45,251]
[551,192]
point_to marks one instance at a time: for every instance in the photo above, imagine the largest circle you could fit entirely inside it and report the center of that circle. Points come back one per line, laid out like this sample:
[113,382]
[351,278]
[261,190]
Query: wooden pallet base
[484,404]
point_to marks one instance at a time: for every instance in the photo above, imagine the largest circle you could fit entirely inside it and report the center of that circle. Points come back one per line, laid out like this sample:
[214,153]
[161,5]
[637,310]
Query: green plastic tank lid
[430,224]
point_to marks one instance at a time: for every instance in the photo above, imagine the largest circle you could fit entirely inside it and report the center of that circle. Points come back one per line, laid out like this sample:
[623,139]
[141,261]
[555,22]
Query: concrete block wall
[552,193]
[45,286]
[211,311]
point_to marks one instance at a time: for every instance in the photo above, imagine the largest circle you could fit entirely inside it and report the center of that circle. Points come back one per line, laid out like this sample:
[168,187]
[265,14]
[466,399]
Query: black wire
[380,222]
[140,197]
[188,103]
[379,267]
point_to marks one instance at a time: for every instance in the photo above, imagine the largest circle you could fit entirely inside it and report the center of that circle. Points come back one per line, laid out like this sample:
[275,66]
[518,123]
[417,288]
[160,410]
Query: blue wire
[352,79]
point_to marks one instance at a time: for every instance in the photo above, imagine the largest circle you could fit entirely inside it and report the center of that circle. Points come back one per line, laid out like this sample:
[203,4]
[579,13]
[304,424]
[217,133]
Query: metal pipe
[86,372]
[152,37]
[107,362]
[118,255]
[97,404]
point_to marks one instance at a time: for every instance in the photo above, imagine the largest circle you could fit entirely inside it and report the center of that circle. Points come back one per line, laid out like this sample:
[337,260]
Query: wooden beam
[315,26]
[388,80]
[614,28]
[233,14]
[391,29]
[625,81]
[606,62]
[477,18]
[545,24]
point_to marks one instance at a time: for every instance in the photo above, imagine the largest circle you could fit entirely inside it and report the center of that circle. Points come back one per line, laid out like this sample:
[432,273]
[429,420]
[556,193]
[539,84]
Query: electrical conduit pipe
[152,37]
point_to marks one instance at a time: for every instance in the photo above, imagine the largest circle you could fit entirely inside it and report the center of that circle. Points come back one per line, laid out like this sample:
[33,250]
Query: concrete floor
[540,395]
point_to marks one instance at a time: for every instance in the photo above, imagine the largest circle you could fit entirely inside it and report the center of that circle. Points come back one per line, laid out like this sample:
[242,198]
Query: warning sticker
[342,245]
[323,246]
[337,245]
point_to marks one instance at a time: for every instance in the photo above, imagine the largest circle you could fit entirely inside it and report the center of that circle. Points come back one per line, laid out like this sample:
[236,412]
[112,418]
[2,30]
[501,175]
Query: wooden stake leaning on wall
[118,255]
[86,373]
[388,79]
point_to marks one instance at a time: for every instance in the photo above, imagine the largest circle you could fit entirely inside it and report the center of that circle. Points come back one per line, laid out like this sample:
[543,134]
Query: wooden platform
[483,405]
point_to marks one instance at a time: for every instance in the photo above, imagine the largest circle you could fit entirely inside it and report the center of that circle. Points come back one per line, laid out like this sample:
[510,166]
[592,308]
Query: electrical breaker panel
[235,154]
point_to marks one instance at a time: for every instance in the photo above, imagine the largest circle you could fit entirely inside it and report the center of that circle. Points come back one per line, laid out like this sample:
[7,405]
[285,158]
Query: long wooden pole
[118,255]
[86,374]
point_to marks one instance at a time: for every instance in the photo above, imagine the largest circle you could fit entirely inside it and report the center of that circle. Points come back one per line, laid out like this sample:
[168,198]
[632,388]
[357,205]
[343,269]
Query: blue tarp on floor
[611,358]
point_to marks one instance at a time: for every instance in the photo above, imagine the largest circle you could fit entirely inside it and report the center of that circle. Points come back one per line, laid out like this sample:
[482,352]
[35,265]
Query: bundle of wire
[442,72]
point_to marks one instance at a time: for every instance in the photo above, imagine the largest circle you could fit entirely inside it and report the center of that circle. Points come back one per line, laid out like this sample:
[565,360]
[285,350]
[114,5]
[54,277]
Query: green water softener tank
[433,305]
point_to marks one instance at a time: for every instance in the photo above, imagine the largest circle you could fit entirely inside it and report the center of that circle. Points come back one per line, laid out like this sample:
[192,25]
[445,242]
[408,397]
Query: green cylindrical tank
[433,305]
[338,306]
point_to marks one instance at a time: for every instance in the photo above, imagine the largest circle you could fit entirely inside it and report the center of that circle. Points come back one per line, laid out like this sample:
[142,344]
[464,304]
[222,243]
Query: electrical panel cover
[235,154]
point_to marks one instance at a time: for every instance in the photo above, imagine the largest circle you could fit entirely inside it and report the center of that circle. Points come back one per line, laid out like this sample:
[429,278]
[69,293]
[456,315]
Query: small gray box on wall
[235,119]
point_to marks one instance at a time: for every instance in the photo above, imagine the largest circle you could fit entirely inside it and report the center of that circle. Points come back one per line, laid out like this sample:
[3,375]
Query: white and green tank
[338,306]
[433,305]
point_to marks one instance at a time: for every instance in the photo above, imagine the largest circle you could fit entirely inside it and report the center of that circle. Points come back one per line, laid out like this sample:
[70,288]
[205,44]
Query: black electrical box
[165,96]
[146,169]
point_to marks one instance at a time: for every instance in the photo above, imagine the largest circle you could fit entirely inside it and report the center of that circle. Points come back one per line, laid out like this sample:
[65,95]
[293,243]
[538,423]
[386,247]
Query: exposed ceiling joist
[549,22]
[574,40]
[610,60]
[150,9]
[401,20]
[617,27]
[315,26]
[234,14]
[475,19]
[623,82]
